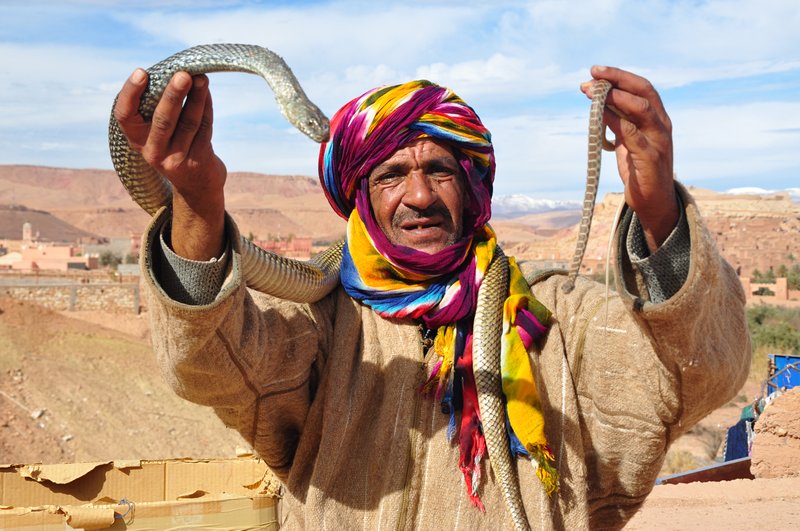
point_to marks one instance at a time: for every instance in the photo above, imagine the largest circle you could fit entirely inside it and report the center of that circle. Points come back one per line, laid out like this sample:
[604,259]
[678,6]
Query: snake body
[597,143]
[263,271]
[486,368]
[311,281]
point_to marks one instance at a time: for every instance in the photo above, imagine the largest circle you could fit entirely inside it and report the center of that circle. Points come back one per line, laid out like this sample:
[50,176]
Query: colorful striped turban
[368,129]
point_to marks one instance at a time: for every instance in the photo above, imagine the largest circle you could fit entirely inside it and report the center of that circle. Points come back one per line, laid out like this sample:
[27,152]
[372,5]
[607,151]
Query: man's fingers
[637,121]
[166,116]
[624,80]
[642,111]
[625,131]
[191,118]
[126,109]
[204,131]
[632,84]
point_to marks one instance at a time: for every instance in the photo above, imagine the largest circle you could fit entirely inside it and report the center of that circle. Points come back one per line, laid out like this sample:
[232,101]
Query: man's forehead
[426,148]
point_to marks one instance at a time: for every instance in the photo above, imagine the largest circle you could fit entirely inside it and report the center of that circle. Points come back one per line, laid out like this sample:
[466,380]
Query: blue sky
[728,72]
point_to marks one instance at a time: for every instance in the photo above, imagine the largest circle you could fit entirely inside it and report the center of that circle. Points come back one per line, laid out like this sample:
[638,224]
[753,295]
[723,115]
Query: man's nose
[420,193]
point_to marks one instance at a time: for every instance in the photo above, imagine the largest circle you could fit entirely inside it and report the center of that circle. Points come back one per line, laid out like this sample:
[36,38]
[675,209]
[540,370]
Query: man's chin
[427,245]
[430,249]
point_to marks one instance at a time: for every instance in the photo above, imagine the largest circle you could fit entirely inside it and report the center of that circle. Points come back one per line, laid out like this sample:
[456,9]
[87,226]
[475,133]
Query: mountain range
[754,228]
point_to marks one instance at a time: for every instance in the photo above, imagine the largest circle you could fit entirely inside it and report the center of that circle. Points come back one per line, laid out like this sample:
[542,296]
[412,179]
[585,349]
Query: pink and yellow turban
[368,129]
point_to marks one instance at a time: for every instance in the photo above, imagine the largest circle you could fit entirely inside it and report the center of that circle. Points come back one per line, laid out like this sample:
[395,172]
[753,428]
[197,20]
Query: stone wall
[776,445]
[112,298]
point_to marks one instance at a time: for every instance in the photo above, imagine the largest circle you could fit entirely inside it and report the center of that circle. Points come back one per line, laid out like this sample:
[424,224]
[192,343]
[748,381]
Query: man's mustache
[411,215]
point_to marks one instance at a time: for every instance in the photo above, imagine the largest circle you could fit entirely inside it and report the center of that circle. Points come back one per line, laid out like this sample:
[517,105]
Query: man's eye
[442,173]
[386,178]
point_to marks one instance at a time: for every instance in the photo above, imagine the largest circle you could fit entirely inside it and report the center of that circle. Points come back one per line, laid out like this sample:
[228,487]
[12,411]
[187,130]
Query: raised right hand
[177,144]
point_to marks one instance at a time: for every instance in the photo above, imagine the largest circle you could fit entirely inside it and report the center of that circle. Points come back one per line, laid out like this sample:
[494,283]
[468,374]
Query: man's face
[418,196]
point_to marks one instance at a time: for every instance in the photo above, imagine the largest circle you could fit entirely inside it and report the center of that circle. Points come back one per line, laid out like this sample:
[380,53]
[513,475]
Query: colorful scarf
[439,290]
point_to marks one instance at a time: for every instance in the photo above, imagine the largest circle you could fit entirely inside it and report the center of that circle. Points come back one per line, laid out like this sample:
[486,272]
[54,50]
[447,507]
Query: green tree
[763,278]
[775,328]
[757,315]
[109,259]
[793,277]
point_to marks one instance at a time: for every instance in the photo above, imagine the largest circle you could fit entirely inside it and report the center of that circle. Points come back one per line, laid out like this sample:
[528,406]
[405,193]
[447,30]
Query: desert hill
[73,389]
[47,188]
[94,201]
[13,217]
[752,231]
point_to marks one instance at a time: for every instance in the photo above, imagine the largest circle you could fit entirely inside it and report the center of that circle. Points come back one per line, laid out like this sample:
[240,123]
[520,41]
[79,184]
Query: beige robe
[328,394]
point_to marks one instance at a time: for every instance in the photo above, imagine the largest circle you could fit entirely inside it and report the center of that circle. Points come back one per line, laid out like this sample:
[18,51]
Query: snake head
[308,119]
[317,128]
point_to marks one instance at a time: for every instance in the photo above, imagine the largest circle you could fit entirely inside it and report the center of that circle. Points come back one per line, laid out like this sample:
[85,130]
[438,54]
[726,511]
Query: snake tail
[597,142]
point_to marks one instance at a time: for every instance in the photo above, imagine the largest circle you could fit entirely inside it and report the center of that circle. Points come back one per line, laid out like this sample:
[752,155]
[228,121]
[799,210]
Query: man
[335,395]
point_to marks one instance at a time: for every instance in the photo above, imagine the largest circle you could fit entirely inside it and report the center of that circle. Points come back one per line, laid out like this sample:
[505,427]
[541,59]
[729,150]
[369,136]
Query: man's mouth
[420,225]
[427,231]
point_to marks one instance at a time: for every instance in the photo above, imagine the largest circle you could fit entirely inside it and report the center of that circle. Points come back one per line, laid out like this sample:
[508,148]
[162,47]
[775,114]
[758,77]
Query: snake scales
[597,142]
[311,281]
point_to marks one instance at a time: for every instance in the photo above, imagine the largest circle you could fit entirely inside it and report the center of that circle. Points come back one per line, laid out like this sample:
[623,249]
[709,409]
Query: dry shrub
[711,438]
[678,461]
[759,369]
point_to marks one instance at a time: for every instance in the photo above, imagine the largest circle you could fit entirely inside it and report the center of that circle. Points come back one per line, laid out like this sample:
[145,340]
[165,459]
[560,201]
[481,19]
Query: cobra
[308,282]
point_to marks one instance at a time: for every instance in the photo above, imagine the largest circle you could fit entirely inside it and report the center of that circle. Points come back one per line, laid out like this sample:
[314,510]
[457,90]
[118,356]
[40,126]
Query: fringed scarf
[439,290]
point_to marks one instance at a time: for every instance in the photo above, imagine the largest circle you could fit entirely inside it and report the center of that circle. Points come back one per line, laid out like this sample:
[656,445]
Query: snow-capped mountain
[519,204]
[515,205]
[755,190]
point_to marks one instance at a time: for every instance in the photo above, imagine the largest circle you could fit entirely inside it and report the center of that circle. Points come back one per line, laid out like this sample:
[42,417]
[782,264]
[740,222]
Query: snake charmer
[366,403]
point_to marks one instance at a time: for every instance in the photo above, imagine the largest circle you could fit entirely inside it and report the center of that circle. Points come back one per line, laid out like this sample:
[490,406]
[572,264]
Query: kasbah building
[30,254]
[34,255]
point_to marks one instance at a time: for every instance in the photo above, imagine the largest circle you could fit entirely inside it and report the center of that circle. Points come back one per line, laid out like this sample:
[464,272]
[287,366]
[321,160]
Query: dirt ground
[726,505]
[84,386]
[80,386]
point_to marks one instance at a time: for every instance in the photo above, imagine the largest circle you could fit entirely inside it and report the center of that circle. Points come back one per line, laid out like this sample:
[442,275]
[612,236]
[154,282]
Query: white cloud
[728,31]
[547,152]
[337,33]
[517,62]
[665,77]
[56,86]
[720,143]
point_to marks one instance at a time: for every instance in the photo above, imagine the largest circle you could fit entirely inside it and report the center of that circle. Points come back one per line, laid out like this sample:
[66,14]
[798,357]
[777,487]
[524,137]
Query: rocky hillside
[751,231]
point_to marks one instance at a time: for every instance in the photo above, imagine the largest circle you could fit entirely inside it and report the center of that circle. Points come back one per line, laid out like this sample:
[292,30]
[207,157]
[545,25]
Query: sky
[727,71]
